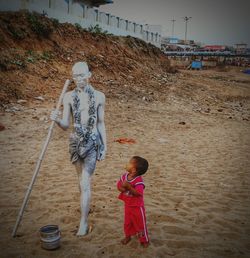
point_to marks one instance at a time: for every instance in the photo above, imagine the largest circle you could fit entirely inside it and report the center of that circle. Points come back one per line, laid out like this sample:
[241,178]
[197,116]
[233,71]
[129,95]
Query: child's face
[131,167]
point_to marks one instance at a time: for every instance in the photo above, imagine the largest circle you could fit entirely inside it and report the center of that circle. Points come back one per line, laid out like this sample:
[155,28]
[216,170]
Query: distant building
[186,42]
[214,48]
[176,44]
[169,40]
[169,44]
[241,48]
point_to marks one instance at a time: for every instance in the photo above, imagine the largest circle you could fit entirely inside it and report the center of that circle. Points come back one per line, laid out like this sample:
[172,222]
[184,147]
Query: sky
[223,22]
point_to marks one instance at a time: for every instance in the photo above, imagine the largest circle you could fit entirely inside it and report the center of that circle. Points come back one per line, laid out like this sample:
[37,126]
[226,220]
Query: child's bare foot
[125,240]
[145,244]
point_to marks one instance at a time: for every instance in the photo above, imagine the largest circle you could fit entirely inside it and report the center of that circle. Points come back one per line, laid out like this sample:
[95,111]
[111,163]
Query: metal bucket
[50,236]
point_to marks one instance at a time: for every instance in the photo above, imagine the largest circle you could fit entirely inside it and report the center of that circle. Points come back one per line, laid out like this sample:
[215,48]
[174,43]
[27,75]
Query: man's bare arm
[100,122]
[65,121]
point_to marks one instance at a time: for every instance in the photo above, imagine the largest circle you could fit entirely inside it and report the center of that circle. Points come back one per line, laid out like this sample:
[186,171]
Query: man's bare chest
[83,104]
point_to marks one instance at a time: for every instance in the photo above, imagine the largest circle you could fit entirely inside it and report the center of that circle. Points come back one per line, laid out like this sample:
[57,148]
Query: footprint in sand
[66,219]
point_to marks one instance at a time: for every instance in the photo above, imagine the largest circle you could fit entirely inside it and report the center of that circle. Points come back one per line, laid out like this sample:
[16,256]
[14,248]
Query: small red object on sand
[2,127]
[125,140]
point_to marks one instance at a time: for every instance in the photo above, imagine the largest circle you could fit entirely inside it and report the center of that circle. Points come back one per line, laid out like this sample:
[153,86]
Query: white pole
[186,19]
[173,21]
[38,164]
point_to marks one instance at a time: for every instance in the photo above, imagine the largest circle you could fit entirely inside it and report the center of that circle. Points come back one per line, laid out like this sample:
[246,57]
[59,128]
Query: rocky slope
[37,54]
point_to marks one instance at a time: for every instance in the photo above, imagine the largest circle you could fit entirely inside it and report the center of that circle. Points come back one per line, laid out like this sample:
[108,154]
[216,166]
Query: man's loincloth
[79,149]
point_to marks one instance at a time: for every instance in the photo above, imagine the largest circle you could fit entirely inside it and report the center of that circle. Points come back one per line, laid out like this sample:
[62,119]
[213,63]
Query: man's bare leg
[85,189]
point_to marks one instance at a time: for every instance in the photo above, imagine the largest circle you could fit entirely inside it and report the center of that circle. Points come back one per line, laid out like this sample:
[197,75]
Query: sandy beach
[197,187]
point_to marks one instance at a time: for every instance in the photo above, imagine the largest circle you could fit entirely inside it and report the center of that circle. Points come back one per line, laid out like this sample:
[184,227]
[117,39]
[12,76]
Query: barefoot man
[87,143]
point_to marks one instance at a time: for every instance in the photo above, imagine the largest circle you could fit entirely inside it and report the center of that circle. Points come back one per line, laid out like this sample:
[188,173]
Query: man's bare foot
[145,244]
[84,231]
[125,240]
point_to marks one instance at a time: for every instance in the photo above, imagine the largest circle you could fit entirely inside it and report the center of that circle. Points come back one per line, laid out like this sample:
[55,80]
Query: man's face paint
[81,80]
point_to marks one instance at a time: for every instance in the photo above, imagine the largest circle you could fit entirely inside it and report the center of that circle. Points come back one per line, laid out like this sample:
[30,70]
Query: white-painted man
[88,140]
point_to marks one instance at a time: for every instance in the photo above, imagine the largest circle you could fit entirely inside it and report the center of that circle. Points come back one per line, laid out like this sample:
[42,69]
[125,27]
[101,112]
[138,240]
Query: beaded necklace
[84,133]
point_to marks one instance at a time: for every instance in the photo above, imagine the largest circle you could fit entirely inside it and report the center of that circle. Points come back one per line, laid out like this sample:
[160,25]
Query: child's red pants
[135,223]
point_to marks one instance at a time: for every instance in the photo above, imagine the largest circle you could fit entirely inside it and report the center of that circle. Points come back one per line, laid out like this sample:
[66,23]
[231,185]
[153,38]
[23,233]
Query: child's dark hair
[141,165]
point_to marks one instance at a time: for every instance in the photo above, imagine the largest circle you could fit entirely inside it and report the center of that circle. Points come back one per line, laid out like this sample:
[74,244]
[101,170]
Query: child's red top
[127,197]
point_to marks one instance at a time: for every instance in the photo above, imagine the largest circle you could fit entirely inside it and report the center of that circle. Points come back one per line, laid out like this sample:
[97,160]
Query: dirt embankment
[37,54]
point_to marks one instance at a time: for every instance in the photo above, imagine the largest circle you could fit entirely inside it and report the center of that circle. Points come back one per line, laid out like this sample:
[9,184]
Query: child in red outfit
[131,187]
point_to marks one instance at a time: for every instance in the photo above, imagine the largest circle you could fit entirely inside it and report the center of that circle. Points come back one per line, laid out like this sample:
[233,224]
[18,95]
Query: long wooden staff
[38,164]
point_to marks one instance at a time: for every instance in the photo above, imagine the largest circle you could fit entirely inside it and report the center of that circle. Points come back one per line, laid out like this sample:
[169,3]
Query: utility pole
[186,19]
[173,21]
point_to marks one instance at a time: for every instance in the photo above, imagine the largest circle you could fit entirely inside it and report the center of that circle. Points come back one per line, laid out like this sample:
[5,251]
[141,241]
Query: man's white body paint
[84,167]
